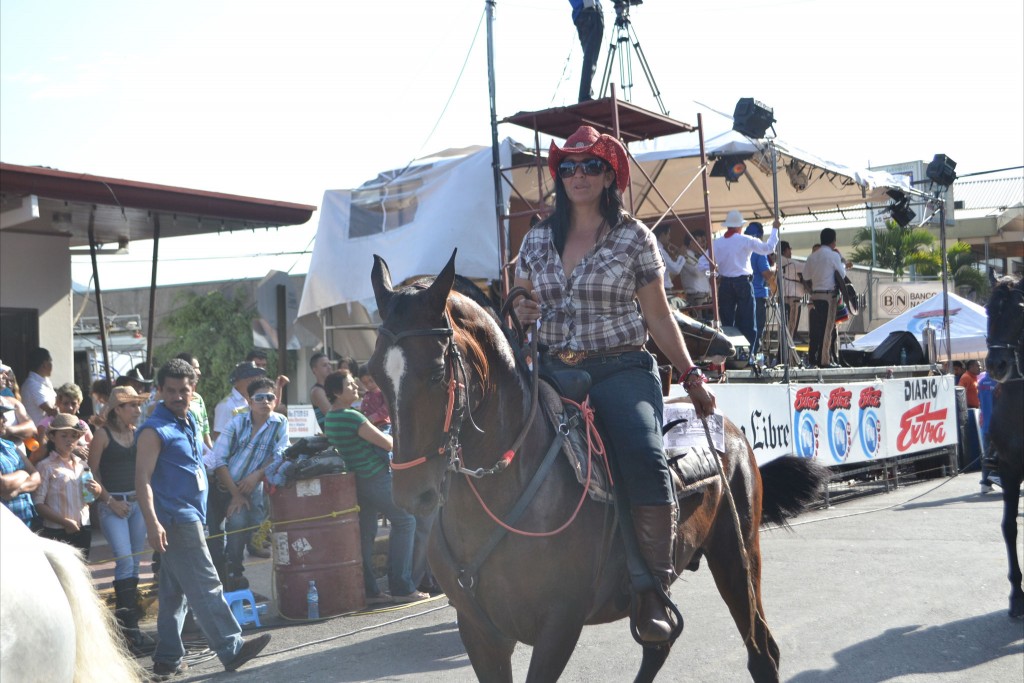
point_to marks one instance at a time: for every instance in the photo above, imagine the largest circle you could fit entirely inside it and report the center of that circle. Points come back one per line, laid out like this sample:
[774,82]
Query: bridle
[459,408]
[455,380]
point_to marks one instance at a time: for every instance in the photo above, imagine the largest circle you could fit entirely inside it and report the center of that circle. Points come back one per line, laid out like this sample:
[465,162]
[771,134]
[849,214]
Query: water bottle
[903,356]
[87,495]
[312,602]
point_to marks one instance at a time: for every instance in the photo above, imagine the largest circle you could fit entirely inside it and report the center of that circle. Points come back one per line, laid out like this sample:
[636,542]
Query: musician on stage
[792,287]
[763,274]
[820,270]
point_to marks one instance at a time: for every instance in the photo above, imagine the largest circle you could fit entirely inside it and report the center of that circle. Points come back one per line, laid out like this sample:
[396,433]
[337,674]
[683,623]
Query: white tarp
[413,217]
[968,326]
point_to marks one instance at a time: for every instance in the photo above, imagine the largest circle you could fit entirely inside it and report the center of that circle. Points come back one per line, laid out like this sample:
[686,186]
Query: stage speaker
[752,118]
[888,352]
[742,346]
[941,170]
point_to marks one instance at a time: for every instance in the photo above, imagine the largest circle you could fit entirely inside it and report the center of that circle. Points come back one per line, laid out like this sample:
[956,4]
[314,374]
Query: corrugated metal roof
[991,193]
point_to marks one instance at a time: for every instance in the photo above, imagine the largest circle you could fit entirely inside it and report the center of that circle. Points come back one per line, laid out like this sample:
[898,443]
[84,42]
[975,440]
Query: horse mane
[459,308]
[100,655]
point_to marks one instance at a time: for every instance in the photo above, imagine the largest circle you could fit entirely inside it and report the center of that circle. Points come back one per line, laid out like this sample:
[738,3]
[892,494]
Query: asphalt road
[908,586]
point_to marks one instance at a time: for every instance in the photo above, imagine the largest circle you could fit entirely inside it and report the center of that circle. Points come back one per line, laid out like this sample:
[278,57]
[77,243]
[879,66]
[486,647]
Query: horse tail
[789,484]
[100,655]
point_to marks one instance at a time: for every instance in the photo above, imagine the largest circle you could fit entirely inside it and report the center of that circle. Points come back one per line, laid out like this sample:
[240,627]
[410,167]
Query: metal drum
[324,550]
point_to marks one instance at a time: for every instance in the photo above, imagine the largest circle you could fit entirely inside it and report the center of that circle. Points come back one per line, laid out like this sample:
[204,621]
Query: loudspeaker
[742,346]
[888,352]
[941,170]
[752,118]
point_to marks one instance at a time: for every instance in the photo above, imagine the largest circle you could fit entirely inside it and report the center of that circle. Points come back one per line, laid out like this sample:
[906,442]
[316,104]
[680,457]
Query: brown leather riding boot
[655,531]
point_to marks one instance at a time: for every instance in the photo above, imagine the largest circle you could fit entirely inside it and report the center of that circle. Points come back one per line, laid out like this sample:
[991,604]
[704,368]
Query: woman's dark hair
[610,208]
[334,384]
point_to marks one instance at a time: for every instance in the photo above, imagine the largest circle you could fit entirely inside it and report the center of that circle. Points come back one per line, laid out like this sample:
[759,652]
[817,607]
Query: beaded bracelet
[693,377]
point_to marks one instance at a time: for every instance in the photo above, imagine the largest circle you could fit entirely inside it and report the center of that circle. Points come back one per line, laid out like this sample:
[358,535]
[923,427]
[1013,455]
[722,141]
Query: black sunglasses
[567,169]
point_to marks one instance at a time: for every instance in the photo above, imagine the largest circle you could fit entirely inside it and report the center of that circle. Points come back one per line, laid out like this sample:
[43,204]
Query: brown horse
[466,438]
[1005,363]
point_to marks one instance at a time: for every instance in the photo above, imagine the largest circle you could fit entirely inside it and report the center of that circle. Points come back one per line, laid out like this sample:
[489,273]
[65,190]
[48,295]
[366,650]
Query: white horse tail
[100,654]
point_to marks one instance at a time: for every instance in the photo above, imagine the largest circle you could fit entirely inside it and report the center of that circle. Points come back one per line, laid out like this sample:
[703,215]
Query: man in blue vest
[171,485]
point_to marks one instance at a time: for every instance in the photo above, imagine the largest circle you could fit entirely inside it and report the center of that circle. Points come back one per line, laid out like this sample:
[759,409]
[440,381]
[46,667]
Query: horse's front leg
[1011,498]
[489,652]
[555,643]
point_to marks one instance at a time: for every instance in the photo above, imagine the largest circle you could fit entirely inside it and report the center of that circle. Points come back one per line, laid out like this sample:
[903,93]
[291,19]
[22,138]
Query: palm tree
[896,248]
[962,266]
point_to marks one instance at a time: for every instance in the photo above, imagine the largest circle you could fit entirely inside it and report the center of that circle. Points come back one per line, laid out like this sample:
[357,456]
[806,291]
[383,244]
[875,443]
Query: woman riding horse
[595,275]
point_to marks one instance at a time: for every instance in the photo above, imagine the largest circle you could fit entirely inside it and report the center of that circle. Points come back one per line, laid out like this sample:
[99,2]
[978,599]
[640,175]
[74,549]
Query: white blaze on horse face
[394,368]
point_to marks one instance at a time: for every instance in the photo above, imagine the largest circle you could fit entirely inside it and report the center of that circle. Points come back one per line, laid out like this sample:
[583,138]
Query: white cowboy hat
[734,219]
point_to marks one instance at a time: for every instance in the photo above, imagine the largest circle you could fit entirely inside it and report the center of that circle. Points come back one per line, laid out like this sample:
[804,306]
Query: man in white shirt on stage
[820,270]
[732,255]
[695,281]
[792,287]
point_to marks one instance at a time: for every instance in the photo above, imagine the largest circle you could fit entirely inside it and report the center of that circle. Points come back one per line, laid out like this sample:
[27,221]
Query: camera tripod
[624,37]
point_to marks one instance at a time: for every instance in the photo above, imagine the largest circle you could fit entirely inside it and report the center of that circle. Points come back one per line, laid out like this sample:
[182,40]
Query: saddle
[692,463]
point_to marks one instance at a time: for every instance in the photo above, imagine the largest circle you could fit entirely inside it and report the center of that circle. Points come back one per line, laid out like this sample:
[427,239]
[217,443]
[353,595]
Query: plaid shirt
[595,308]
[243,452]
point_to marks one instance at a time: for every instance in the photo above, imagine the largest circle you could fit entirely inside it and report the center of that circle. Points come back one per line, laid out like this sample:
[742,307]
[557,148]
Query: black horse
[1005,364]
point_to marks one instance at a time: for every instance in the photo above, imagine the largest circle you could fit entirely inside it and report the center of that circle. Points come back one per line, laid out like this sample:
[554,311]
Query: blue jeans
[374,495]
[626,396]
[736,305]
[760,318]
[236,539]
[188,579]
[127,538]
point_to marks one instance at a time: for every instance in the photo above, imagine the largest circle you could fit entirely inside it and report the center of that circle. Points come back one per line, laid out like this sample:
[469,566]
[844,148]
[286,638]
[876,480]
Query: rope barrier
[261,531]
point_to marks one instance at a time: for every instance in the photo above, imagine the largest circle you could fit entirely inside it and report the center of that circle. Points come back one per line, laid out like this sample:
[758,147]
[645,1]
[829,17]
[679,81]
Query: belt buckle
[570,356]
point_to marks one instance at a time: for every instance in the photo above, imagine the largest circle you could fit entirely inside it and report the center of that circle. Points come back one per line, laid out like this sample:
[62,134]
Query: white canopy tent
[968,327]
[807,182]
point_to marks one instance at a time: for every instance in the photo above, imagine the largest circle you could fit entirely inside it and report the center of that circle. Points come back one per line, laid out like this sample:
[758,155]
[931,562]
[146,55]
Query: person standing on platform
[732,254]
[763,270]
[792,287]
[695,281]
[820,270]
[589,20]
[171,484]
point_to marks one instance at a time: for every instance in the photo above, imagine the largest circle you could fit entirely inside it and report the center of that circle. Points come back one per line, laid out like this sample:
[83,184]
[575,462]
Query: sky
[286,100]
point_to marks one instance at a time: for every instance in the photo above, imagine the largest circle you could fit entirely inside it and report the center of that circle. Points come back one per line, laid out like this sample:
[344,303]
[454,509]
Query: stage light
[942,170]
[731,167]
[752,118]
[900,210]
[798,176]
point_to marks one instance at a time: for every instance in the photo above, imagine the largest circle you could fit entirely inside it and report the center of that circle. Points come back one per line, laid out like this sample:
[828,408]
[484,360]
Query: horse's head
[435,358]
[1006,330]
[704,342]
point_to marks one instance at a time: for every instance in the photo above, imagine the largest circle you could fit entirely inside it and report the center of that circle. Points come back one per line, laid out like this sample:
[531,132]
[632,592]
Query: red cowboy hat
[586,140]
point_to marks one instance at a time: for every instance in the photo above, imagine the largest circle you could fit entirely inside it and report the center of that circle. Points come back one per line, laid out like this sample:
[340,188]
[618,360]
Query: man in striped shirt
[243,450]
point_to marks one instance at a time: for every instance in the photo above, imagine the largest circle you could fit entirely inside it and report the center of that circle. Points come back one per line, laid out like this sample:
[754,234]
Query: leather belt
[738,277]
[575,356]
[126,497]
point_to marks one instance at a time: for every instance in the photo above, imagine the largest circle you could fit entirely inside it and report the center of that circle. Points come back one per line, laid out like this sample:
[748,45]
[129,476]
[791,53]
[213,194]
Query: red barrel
[324,550]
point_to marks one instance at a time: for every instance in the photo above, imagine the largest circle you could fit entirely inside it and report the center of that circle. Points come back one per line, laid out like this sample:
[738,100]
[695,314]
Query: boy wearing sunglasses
[247,445]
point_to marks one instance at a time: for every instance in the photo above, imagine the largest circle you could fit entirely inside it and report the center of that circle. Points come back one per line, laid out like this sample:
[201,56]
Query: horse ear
[380,276]
[437,293]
